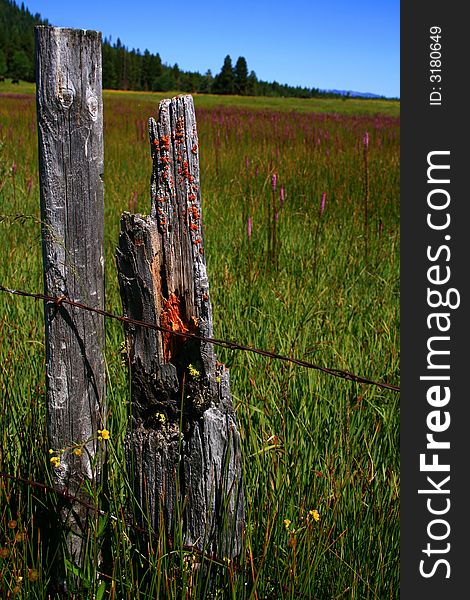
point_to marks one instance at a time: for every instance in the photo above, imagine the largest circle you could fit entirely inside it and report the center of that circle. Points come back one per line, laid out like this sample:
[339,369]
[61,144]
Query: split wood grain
[183,442]
[70,136]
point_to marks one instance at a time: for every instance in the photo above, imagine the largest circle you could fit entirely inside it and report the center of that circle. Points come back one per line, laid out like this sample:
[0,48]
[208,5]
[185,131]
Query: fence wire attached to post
[183,441]
[229,344]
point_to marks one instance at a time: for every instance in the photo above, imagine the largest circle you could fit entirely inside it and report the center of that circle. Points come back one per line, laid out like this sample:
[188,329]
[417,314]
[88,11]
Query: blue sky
[336,44]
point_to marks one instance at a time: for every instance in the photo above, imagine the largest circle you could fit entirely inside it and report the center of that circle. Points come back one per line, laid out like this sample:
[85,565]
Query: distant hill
[352,94]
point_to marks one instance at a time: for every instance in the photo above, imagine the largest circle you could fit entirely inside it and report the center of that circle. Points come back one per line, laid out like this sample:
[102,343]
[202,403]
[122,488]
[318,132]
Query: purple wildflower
[282,194]
[322,203]
[274,181]
[248,227]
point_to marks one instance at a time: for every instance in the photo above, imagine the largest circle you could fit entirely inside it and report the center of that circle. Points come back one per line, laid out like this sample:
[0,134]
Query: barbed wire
[60,300]
[67,496]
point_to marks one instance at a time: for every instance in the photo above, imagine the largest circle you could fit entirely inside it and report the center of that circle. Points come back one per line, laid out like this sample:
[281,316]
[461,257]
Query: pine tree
[3,63]
[17,40]
[252,84]
[21,67]
[156,69]
[224,82]
[109,67]
[241,77]
[176,76]
[134,66]
[146,72]
[206,84]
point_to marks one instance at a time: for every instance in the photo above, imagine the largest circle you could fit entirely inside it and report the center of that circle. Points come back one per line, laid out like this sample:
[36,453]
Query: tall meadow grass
[299,272]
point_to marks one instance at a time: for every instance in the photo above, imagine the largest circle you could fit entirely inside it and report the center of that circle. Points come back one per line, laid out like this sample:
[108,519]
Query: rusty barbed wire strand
[60,300]
[66,495]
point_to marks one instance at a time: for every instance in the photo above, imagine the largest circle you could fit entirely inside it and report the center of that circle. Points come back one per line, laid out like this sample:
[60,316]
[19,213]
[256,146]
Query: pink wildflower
[322,203]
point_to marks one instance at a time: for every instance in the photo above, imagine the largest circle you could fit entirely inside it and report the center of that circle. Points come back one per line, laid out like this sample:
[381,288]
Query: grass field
[329,295]
[353,106]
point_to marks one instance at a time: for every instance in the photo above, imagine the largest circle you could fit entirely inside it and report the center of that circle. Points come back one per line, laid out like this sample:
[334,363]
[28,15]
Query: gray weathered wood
[183,443]
[70,126]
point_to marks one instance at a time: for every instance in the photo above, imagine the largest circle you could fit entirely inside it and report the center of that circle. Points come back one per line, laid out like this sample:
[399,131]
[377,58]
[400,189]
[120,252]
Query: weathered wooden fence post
[70,126]
[183,443]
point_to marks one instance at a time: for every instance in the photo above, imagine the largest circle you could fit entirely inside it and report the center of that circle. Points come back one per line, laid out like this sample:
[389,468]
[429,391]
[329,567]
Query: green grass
[351,106]
[22,87]
[309,441]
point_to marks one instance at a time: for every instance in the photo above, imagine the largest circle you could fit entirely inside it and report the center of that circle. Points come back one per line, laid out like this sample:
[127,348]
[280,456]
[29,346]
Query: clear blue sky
[329,44]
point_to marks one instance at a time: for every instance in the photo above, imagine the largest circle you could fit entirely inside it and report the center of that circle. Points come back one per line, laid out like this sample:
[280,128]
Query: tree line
[126,69]
[17,40]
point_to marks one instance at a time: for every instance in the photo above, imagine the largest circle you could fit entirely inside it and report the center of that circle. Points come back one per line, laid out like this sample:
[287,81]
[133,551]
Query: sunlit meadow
[301,222]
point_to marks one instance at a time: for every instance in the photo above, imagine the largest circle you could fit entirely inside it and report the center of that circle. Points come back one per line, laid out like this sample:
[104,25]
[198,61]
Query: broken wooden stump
[183,444]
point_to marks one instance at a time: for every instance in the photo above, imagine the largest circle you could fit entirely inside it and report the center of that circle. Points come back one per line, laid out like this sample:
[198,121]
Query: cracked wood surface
[183,443]
[70,136]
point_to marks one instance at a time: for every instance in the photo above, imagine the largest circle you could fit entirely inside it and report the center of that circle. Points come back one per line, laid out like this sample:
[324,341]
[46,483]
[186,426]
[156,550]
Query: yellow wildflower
[55,461]
[161,417]
[287,522]
[77,451]
[103,434]
[123,353]
[193,371]
[314,514]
